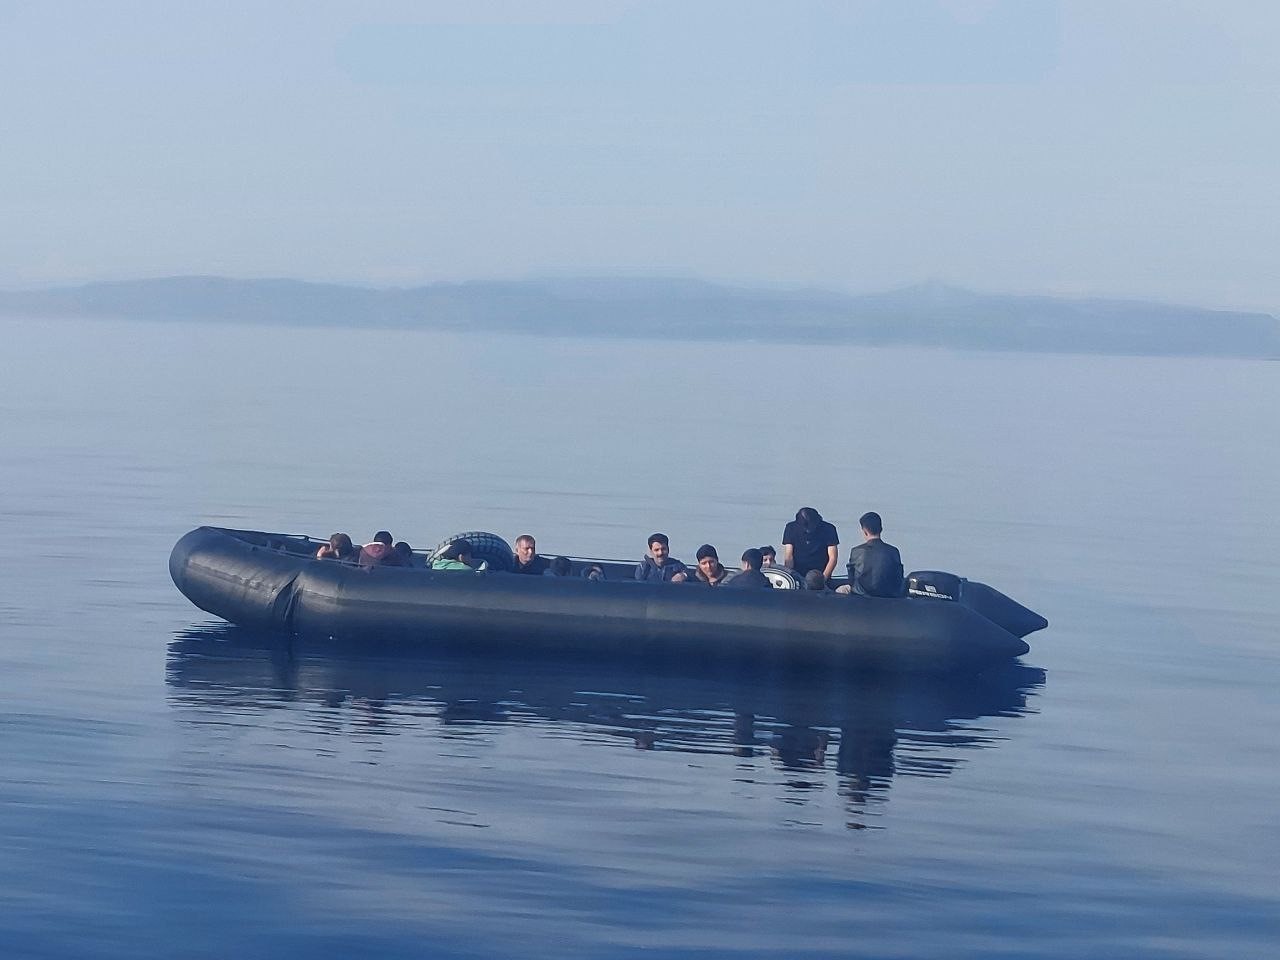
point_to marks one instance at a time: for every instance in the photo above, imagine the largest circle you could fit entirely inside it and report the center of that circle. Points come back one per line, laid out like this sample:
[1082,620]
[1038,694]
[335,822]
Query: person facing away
[875,567]
[768,556]
[378,551]
[810,543]
[559,567]
[710,570]
[339,547]
[814,580]
[750,576]
[403,554]
[456,556]
[659,566]
[526,559]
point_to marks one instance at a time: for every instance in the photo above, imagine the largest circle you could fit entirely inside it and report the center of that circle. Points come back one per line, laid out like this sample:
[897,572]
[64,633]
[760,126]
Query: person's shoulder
[789,531]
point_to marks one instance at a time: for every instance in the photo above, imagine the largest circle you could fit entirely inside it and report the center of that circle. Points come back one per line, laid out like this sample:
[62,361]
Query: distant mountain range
[925,315]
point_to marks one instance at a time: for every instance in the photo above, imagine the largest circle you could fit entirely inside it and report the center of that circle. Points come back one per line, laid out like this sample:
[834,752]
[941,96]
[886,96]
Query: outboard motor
[934,585]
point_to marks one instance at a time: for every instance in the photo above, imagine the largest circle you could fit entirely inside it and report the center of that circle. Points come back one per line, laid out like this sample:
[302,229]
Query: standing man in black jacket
[875,567]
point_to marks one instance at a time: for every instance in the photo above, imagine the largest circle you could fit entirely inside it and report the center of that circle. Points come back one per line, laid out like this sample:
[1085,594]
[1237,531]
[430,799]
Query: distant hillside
[929,314]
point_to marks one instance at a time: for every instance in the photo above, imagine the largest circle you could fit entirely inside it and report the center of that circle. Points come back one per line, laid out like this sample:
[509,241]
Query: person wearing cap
[710,570]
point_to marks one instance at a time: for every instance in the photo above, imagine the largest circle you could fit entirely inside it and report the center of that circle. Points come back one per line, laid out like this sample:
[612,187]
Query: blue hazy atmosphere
[1021,146]
[1001,270]
[173,786]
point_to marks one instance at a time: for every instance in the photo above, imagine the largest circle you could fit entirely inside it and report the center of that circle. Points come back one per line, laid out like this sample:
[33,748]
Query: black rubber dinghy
[273,581]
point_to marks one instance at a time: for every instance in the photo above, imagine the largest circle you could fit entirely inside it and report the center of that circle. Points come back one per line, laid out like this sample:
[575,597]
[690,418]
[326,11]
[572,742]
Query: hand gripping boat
[273,581]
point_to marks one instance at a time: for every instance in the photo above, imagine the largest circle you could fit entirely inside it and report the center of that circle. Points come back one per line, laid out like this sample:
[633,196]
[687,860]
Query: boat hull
[255,580]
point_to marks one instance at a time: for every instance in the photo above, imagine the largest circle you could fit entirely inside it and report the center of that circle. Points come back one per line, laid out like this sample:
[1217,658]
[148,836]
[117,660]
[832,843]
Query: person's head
[382,536]
[404,552]
[659,547]
[768,556]
[814,580]
[871,524]
[459,550]
[561,566]
[341,545]
[526,547]
[751,559]
[593,572]
[808,518]
[708,560]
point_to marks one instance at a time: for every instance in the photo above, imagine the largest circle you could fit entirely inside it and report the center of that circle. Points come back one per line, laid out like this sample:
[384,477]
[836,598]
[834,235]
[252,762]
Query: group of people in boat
[810,548]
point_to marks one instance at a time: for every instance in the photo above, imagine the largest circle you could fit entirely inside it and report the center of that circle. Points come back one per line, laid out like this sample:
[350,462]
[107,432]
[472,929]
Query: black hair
[382,537]
[404,551]
[342,545]
[707,550]
[659,538]
[770,550]
[814,580]
[752,558]
[456,550]
[871,522]
[809,518]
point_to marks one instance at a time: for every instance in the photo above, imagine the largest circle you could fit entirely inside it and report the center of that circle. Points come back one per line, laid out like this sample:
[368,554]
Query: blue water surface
[175,787]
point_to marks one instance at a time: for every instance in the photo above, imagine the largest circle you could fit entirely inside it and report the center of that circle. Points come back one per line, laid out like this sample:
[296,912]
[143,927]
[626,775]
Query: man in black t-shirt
[810,543]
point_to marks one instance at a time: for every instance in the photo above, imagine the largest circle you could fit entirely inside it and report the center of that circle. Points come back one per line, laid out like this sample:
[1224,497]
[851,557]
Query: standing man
[810,543]
[659,566]
[875,567]
[526,558]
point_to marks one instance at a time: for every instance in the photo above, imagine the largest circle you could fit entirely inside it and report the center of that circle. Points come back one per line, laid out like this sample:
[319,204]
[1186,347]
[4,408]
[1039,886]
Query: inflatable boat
[274,581]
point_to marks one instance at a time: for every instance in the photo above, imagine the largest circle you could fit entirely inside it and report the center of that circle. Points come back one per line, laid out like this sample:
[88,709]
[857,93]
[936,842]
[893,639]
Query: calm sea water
[176,787]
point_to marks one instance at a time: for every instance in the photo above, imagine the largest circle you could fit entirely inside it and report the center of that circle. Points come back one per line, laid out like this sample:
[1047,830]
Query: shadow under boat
[871,728]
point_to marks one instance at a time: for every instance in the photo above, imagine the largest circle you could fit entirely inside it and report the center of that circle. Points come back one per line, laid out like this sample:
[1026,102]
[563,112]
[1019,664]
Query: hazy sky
[1012,145]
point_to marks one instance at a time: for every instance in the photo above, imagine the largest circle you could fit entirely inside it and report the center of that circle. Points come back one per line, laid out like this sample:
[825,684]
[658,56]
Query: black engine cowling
[934,585]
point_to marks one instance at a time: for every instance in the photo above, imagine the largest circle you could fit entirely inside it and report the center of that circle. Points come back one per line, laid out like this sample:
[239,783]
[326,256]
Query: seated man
[339,547]
[526,559]
[768,556]
[456,556]
[875,567]
[659,566]
[710,570]
[378,551]
[750,575]
[403,554]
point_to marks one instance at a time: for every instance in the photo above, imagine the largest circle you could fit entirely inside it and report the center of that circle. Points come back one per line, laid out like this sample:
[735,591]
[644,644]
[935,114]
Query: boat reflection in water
[804,727]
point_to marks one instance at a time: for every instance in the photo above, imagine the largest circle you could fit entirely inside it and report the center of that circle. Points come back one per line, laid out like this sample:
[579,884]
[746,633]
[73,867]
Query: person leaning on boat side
[403,554]
[378,551]
[339,547]
[659,566]
[526,559]
[456,556]
[710,570]
[559,567]
[750,575]
[875,567]
[768,556]
[810,543]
